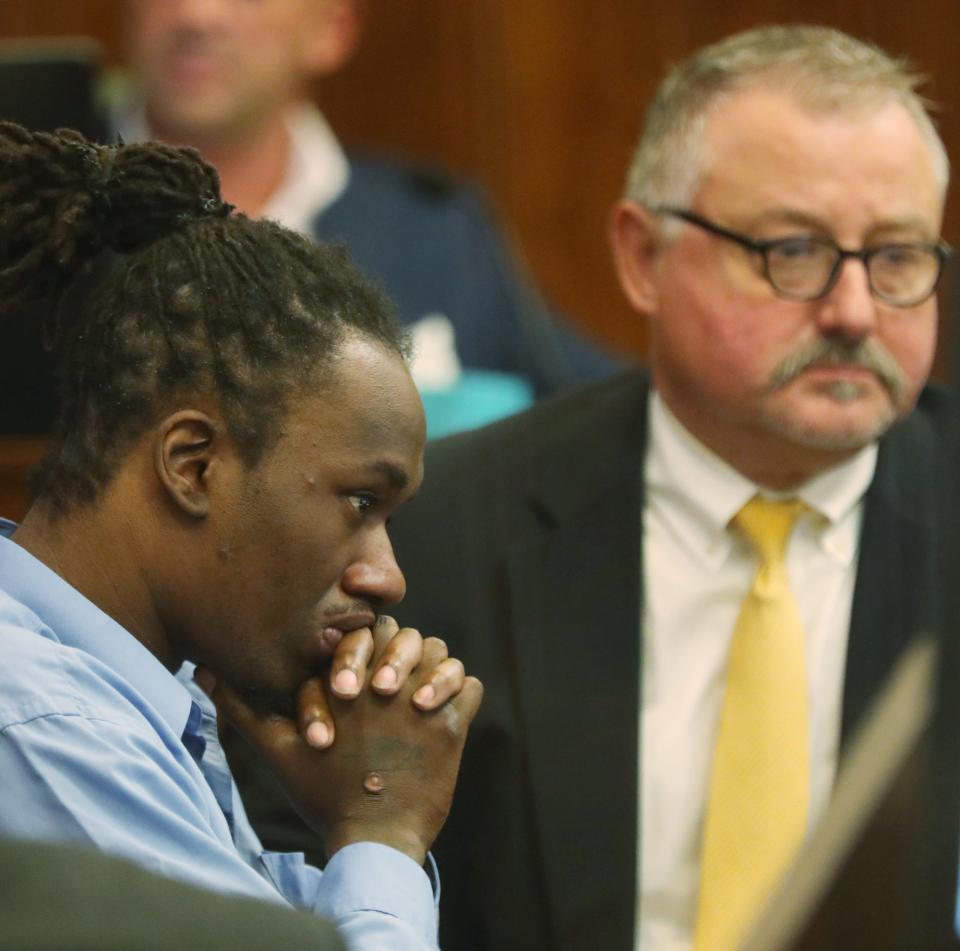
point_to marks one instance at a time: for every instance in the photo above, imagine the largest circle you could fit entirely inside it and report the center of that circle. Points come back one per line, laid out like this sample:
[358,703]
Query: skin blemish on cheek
[373,783]
[225,552]
[310,480]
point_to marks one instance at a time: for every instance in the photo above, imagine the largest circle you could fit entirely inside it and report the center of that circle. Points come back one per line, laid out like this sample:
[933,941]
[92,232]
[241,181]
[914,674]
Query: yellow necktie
[759,791]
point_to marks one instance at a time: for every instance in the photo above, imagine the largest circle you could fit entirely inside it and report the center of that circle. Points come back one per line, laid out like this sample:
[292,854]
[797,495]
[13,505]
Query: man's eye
[363,502]
[899,255]
[797,249]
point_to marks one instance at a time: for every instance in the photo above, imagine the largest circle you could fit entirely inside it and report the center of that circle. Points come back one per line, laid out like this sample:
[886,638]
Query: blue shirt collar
[77,622]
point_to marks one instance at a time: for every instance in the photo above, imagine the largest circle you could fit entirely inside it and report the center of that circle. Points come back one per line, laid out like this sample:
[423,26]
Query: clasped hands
[375,747]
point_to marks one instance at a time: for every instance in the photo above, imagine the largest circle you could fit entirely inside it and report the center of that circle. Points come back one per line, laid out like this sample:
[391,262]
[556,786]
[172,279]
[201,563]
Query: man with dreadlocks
[237,426]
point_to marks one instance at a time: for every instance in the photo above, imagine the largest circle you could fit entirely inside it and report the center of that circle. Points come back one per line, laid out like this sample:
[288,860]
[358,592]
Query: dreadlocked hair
[199,300]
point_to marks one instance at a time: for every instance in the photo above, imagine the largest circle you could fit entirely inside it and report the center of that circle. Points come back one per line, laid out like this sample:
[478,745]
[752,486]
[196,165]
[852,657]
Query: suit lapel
[575,598]
[896,594]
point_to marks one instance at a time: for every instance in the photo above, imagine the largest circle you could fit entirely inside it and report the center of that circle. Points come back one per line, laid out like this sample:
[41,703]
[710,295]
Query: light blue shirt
[101,744]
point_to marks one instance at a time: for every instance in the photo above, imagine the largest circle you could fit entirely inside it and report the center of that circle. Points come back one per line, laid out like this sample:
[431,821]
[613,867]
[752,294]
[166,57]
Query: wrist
[396,837]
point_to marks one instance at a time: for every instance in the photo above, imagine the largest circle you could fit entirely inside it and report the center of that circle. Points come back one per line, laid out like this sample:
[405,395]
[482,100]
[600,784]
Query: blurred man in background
[233,79]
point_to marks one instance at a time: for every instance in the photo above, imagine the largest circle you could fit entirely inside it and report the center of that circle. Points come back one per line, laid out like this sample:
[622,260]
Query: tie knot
[767,524]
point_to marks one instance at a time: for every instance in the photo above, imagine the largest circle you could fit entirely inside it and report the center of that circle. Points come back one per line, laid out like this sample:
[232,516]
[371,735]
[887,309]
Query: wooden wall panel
[97,18]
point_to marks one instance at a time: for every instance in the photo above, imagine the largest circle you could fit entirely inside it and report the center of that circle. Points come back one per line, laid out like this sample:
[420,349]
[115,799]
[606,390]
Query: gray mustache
[863,354]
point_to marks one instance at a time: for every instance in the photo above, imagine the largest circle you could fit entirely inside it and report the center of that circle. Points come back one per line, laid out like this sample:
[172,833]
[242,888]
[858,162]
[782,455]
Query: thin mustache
[863,354]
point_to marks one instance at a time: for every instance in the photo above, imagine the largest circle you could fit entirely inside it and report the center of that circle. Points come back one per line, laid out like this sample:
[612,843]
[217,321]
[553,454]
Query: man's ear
[334,35]
[637,244]
[186,444]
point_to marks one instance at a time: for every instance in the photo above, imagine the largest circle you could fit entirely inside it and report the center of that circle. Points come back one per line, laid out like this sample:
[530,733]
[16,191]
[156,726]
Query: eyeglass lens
[900,274]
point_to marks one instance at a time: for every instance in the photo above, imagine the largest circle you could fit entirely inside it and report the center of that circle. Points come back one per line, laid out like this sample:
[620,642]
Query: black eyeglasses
[805,268]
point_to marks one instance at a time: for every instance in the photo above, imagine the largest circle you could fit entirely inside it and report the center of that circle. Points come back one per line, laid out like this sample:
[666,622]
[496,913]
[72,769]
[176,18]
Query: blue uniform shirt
[101,744]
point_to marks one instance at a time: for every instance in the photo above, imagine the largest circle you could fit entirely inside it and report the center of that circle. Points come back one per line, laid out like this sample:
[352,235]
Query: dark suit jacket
[64,898]
[523,550]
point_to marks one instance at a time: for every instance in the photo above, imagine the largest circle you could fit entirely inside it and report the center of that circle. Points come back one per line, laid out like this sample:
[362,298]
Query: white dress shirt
[317,171]
[696,572]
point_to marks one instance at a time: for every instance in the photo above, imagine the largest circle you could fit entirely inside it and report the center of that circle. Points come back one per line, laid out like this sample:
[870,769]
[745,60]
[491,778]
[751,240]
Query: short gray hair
[826,70]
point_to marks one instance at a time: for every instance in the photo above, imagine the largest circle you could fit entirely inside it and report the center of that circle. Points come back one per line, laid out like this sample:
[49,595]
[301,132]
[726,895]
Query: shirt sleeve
[105,783]
[377,896]
[117,786]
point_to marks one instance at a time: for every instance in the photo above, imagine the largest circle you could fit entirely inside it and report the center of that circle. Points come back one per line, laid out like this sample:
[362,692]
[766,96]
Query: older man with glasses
[683,589]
